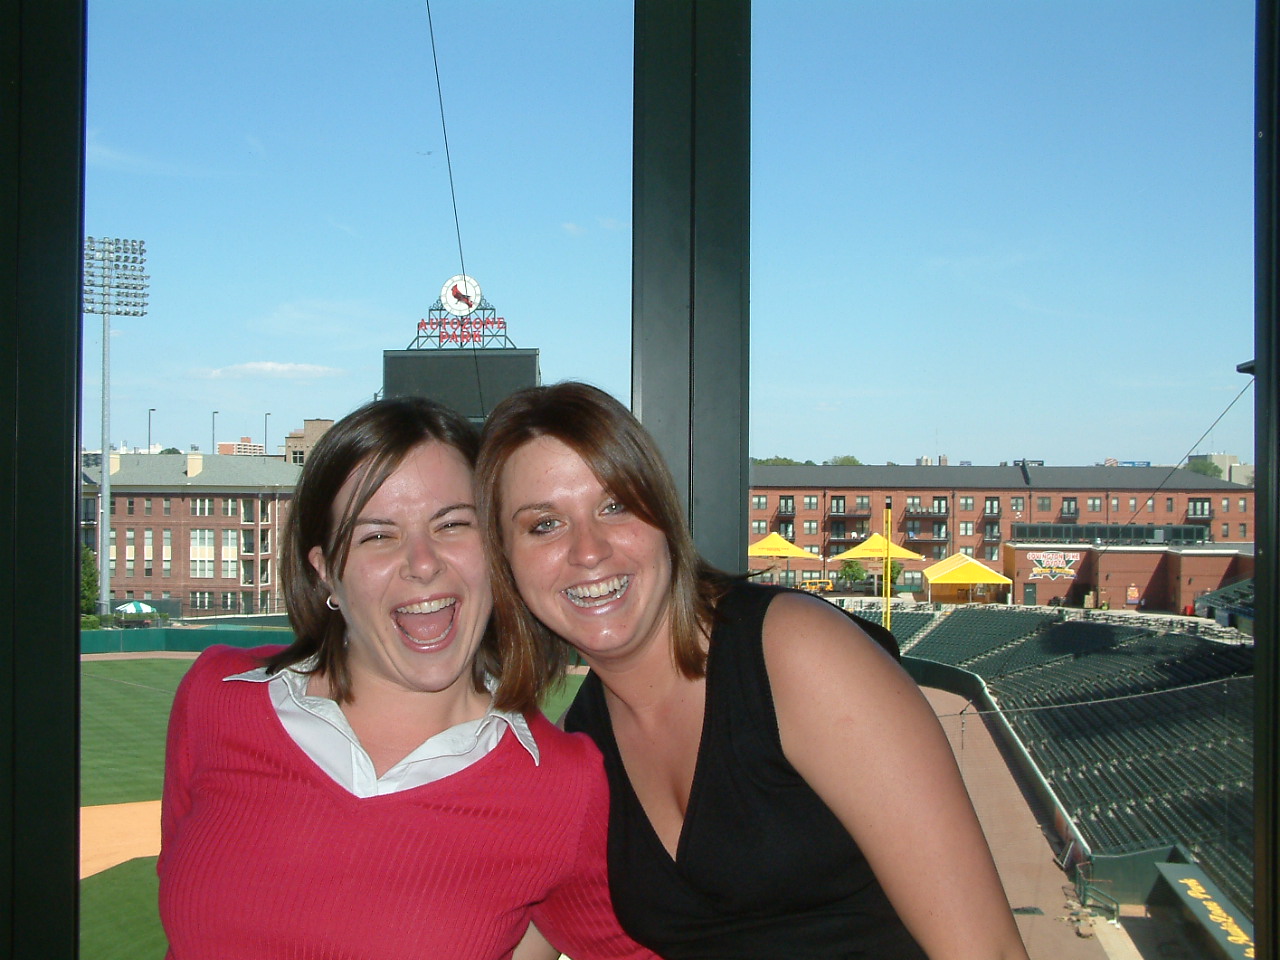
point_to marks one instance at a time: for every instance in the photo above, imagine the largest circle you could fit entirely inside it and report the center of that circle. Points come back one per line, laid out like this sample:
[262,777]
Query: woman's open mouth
[428,622]
[598,594]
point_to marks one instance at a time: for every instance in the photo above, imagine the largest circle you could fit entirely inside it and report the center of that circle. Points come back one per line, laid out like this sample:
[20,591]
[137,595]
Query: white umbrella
[135,606]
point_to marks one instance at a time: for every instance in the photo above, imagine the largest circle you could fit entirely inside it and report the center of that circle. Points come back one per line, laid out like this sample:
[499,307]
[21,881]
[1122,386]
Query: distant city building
[1148,537]
[244,447]
[298,444]
[200,531]
[1230,465]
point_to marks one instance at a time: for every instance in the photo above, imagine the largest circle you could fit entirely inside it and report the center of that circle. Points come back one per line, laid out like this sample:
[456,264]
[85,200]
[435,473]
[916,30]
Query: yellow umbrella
[776,545]
[873,548]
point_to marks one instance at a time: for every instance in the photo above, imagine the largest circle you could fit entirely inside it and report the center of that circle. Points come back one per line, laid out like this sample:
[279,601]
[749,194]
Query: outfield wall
[183,639]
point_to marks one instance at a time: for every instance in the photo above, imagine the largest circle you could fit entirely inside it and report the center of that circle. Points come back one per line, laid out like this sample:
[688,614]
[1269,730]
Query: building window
[759,526]
[228,601]
[810,527]
[147,551]
[264,541]
[1044,504]
[264,572]
[1199,507]
[128,553]
[1168,504]
[201,555]
[939,551]
[1070,507]
[166,506]
[940,505]
[787,529]
[913,503]
[862,502]
[991,531]
[202,506]
[940,529]
[1115,504]
[248,513]
[1226,531]
[837,529]
[966,528]
[992,507]
[991,552]
[837,504]
[247,541]
[230,545]
[1151,504]
[266,511]
[229,506]
[1226,505]
[146,506]
[966,503]
[912,578]
[1017,503]
[111,505]
[810,502]
[1094,504]
[759,502]
[1242,504]
[1133,504]
[1244,531]
[201,599]
[786,504]
[913,529]
[967,551]
[297,456]
[128,506]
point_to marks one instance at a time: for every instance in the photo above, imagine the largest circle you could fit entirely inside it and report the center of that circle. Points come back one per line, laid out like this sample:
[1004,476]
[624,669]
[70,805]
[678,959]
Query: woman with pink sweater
[362,793]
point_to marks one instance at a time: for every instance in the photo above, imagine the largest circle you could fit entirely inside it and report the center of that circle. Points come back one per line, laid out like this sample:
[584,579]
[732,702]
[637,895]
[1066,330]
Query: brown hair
[627,463]
[368,444]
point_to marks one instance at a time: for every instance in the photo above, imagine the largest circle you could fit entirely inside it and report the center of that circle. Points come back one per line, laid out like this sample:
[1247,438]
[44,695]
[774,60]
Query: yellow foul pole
[886,573]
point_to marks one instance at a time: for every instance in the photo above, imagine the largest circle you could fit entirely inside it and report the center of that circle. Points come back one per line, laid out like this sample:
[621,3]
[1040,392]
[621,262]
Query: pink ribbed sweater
[263,855]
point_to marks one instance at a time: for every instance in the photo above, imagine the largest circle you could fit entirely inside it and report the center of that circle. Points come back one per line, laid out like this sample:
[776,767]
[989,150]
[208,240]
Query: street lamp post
[265,451]
[150,411]
[115,284]
[213,434]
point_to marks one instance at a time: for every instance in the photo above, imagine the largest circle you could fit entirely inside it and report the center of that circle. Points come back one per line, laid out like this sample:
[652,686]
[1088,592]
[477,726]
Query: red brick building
[1182,525]
[199,531]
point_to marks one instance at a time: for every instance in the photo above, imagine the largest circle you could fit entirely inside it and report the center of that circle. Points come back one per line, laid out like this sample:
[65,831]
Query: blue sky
[1017,229]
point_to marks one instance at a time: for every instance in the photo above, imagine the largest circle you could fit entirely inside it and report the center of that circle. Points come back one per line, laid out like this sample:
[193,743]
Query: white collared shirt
[320,728]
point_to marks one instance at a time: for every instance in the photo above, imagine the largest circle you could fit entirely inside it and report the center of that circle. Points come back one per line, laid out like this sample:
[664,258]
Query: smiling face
[414,591]
[592,571]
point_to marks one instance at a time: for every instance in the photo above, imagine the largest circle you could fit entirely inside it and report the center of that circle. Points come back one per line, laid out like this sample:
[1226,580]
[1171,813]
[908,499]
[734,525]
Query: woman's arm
[534,946]
[855,726]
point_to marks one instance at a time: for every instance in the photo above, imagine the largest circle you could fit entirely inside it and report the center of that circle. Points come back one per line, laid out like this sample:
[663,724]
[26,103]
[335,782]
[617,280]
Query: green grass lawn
[124,711]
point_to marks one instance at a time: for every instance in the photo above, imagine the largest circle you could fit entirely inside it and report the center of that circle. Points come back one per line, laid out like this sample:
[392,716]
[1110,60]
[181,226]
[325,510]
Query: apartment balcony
[785,512]
[1200,516]
[929,511]
[849,538]
[929,537]
[997,512]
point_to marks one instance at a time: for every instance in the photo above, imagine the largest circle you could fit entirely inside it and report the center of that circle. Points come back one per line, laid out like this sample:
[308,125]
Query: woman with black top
[779,787]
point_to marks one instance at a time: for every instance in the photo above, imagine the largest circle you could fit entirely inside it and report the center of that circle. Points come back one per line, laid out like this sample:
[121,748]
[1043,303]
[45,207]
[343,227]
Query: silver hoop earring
[330,602]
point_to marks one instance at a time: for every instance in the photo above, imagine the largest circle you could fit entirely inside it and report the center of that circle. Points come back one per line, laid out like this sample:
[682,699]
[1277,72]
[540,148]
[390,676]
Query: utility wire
[453,195]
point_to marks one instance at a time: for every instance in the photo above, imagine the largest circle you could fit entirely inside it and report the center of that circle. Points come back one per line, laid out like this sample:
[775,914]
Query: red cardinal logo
[461,297]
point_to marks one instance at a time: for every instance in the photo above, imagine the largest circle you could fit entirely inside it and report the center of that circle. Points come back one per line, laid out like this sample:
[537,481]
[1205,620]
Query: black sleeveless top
[763,868]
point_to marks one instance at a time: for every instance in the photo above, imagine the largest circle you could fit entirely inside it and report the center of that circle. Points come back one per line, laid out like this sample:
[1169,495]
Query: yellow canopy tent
[960,573]
[873,548]
[776,545]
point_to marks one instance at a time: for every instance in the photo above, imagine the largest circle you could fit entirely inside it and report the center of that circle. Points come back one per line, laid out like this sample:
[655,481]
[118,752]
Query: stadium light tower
[115,285]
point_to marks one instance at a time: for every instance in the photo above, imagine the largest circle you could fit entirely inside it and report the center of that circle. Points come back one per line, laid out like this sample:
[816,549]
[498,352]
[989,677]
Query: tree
[852,571]
[170,450]
[1206,468]
[776,461]
[843,460]
[88,580]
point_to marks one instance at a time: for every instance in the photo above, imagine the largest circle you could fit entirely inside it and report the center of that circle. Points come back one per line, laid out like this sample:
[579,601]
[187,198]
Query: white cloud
[573,229]
[271,370]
